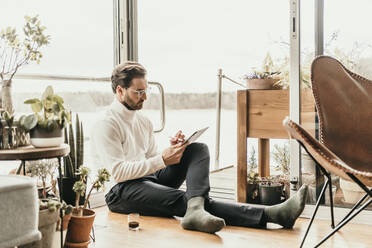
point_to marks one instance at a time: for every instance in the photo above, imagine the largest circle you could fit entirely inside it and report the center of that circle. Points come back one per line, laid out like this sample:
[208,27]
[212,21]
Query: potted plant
[266,78]
[82,219]
[75,139]
[48,207]
[281,158]
[252,178]
[270,190]
[15,53]
[48,120]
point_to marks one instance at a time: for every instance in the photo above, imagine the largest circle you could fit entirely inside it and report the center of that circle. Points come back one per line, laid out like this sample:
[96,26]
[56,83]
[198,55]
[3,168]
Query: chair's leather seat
[344,103]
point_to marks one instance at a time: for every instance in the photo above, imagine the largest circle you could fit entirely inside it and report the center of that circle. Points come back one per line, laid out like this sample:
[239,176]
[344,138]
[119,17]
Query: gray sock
[286,213]
[196,218]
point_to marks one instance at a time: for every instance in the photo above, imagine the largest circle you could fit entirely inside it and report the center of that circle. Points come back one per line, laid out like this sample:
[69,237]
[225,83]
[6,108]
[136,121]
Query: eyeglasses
[141,92]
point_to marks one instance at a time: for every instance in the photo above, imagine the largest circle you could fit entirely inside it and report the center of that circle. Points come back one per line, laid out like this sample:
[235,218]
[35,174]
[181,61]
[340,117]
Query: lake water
[187,120]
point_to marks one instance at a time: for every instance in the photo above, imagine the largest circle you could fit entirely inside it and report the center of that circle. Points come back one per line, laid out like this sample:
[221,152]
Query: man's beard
[132,105]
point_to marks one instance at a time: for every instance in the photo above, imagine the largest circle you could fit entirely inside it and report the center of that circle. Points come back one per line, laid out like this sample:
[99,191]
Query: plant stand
[259,115]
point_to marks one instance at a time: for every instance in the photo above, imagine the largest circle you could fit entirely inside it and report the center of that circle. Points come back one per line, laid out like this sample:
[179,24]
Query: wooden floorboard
[111,230]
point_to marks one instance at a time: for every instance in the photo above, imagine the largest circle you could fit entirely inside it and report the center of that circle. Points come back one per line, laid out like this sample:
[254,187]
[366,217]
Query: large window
[81,45]
[352,45]
[184,43]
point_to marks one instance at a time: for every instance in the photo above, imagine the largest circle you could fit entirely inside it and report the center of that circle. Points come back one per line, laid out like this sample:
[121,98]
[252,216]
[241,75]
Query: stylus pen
[174,137]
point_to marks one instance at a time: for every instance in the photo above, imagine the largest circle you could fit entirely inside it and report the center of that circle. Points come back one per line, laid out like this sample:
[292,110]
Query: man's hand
[173,154]
[178,138]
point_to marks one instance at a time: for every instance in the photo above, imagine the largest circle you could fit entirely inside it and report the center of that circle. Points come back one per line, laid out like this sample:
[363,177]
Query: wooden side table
[29,153]
[259,115]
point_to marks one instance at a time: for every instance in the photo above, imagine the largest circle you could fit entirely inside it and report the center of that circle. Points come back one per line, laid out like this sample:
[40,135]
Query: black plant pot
[69,196]
[252,193]
[270,194]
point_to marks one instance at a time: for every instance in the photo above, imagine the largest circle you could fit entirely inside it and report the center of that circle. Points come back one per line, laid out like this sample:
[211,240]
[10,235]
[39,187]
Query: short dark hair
[124,73]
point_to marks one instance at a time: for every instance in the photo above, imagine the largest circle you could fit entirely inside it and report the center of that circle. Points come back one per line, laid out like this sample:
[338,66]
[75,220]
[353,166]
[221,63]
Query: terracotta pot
[261,84]
[78,234]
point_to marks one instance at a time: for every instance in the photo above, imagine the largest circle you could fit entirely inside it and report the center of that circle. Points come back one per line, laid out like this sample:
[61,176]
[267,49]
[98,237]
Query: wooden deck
[112,231]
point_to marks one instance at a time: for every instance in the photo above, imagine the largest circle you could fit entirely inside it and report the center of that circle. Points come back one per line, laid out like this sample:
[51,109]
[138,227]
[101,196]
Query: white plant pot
[44,138]
[352,191]
[47,142]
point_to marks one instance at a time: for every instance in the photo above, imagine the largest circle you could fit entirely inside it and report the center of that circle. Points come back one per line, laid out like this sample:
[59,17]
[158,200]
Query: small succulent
[51,204]
[9,118]
[79,187]
[253,177]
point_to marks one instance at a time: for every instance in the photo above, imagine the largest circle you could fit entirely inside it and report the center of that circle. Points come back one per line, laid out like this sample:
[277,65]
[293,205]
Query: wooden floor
[111,230]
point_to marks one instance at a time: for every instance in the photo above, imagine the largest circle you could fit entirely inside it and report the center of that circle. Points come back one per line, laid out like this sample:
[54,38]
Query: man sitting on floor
[148,182]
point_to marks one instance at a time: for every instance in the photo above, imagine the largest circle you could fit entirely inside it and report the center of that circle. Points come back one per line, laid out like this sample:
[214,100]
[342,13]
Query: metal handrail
[96,79]
[218,110]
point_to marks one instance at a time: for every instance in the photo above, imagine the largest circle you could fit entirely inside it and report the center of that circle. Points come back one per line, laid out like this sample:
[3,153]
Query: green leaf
[31,101]
[57,99]
[47,93]
[55,108]
[37,107]
[52,125]
[29,122]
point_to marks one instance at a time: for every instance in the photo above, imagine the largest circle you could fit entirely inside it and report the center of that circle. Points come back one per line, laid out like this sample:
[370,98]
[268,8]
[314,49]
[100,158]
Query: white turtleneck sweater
[123,142]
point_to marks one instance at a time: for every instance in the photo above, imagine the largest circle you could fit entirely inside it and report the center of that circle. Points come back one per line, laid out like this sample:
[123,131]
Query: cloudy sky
[182,43]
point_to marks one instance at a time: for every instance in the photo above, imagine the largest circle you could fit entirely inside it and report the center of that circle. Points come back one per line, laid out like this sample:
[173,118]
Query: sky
[181,43]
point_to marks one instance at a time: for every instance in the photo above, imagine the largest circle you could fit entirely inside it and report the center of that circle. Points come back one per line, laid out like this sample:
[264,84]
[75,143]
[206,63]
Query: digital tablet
[195,136]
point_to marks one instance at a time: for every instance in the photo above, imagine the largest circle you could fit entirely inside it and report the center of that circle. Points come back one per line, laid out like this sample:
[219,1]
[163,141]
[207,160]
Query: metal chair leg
[339,226]
[331,201]
[355,207]
[315,211]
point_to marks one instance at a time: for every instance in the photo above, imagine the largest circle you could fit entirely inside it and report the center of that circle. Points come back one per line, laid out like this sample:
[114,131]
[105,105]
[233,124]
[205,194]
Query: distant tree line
[92,100]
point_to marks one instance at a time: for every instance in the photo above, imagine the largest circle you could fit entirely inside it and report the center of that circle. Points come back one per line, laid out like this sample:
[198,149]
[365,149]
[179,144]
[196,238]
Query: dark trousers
[158,193]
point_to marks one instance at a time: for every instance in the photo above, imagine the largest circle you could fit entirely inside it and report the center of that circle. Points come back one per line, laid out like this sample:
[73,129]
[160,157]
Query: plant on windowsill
[47,122]
[265,78]
[82,218]
[16,53]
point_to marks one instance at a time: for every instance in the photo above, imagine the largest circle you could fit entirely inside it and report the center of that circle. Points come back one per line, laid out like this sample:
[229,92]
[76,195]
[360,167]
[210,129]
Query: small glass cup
[133,221]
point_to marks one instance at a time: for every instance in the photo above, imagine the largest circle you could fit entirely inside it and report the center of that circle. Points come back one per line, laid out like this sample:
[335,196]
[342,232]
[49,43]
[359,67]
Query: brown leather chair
[344,105]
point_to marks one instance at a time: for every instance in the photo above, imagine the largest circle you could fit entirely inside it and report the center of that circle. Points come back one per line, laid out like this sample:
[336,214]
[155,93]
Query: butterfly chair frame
[330,72]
